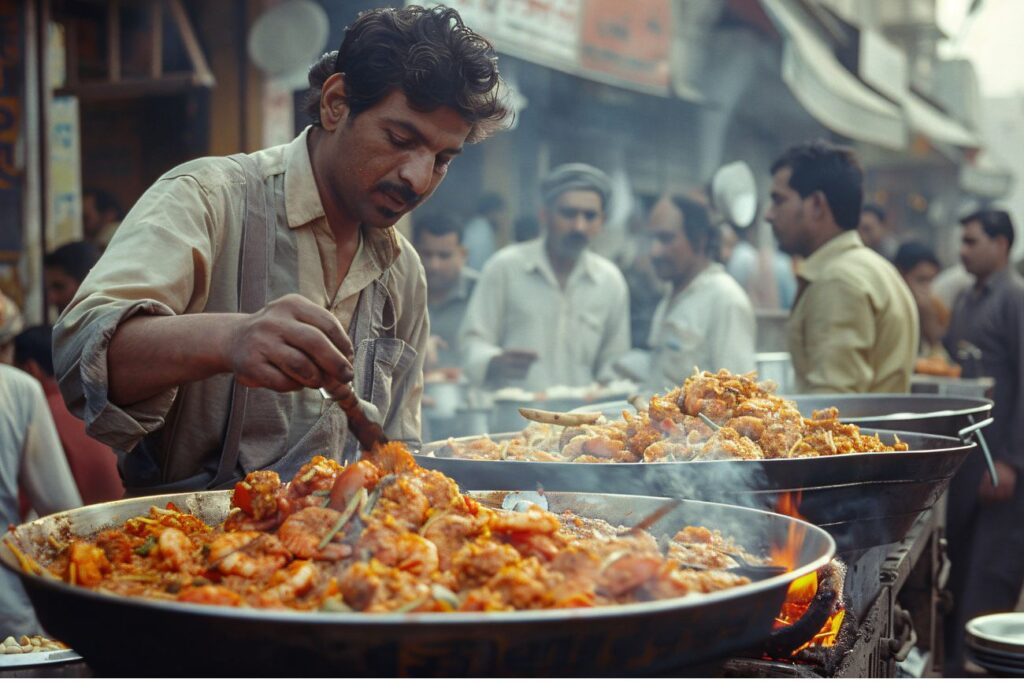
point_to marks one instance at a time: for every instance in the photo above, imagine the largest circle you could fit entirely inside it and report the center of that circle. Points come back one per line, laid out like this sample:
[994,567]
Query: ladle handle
[977,427]
[367,432]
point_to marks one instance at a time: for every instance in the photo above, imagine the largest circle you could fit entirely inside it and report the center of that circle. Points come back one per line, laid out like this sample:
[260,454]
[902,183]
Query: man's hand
[510,364]
[1006,488]
[289,344]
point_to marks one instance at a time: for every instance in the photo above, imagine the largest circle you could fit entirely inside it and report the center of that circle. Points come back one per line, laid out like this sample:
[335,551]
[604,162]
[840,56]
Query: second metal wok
[863,500]
[118,635]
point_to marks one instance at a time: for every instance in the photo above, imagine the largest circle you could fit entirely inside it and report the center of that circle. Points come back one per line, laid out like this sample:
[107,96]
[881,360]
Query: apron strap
[253,284]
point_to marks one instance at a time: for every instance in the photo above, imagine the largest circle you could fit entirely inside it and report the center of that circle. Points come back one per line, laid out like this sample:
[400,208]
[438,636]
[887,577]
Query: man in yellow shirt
[853,327]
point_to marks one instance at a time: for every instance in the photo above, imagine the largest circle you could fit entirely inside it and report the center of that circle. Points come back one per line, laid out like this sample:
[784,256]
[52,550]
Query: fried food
[384,535]
[713,416]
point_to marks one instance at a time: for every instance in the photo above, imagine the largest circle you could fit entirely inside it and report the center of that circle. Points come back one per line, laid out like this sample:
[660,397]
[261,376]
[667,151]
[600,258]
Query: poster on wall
[631,41]
[65,173]
[12,47]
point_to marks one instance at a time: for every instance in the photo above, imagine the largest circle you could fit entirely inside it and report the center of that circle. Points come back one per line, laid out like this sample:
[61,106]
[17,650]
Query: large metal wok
[863,500]
[156,638]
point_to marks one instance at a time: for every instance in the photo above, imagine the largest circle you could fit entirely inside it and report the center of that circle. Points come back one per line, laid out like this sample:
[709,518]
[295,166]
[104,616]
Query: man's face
[443,258]
[390,158]
[60,288]
[672,255]
[871,229]
[572,220]
[788,215]
[92,221]
[981,255]
[920,277]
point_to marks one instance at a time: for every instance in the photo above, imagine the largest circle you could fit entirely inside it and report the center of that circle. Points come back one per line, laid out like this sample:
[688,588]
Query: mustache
[575,240]
[404,192]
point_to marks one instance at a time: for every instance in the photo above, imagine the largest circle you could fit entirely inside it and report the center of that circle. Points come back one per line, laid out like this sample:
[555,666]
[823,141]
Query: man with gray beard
[550,311]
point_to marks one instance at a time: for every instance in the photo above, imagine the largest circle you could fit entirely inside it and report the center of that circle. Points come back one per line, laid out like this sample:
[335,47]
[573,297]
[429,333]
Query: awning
[826,89]
[935,124]
[986,178]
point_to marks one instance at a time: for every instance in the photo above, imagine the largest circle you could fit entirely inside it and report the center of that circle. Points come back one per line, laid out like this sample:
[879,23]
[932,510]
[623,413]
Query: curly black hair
[434,58]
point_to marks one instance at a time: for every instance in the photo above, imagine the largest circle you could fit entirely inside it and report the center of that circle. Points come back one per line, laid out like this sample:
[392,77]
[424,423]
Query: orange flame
[788,555]
[802,591]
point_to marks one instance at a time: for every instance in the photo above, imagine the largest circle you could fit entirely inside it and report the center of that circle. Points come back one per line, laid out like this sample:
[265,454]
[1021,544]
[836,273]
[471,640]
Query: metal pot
[119,635]
[863,500]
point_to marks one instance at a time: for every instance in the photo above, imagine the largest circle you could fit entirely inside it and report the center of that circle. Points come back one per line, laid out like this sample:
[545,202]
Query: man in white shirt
[706,320]
[549,311]
[31,461]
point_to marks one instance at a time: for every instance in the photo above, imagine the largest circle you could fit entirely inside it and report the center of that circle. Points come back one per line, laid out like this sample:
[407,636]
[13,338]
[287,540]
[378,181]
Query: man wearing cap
[549,311]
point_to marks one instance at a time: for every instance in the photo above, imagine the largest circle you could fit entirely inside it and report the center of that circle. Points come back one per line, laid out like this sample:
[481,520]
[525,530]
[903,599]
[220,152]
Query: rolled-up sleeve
[480,333]
[157,264]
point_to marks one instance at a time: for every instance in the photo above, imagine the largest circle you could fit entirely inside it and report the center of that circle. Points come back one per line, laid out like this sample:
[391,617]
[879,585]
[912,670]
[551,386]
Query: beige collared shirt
[854,325]
[177,252]
[577,332]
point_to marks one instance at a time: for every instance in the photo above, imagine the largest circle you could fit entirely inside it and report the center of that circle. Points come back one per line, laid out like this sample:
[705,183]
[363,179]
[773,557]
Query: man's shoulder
[605,268]
[510,256]
[859,267]
[210,173]
[724,287]
[19,386]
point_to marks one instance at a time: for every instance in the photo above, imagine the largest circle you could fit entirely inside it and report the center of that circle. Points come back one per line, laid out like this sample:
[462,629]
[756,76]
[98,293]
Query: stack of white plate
[996,642]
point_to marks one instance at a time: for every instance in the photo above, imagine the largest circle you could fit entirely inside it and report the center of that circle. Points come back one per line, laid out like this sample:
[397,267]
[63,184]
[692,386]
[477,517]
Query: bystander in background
[64,268]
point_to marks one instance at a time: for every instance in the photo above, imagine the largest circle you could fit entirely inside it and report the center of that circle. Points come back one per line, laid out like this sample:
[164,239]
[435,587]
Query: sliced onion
[350,509]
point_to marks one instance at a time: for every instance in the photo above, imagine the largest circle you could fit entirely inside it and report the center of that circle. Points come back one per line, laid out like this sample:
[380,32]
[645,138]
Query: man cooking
[237,287]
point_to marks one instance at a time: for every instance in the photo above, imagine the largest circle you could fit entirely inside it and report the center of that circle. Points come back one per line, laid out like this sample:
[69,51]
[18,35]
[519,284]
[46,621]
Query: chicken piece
[670,450]
[449,531]
[256,495]
[375,587]
[727,444]
[748,426]
[475,563]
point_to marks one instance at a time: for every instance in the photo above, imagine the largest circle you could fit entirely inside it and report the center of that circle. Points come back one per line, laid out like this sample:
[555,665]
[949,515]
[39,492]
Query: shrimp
[247,553]
[175,548]
[289,583]
[533,521]
[302,533]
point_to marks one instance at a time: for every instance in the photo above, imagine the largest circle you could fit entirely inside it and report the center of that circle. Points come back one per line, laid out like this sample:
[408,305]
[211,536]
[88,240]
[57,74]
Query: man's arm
[839,335]
[289,344]
[135,331]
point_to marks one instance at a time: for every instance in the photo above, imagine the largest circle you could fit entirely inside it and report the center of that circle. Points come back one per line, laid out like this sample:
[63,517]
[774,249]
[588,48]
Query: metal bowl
[118,635]
[864,500]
